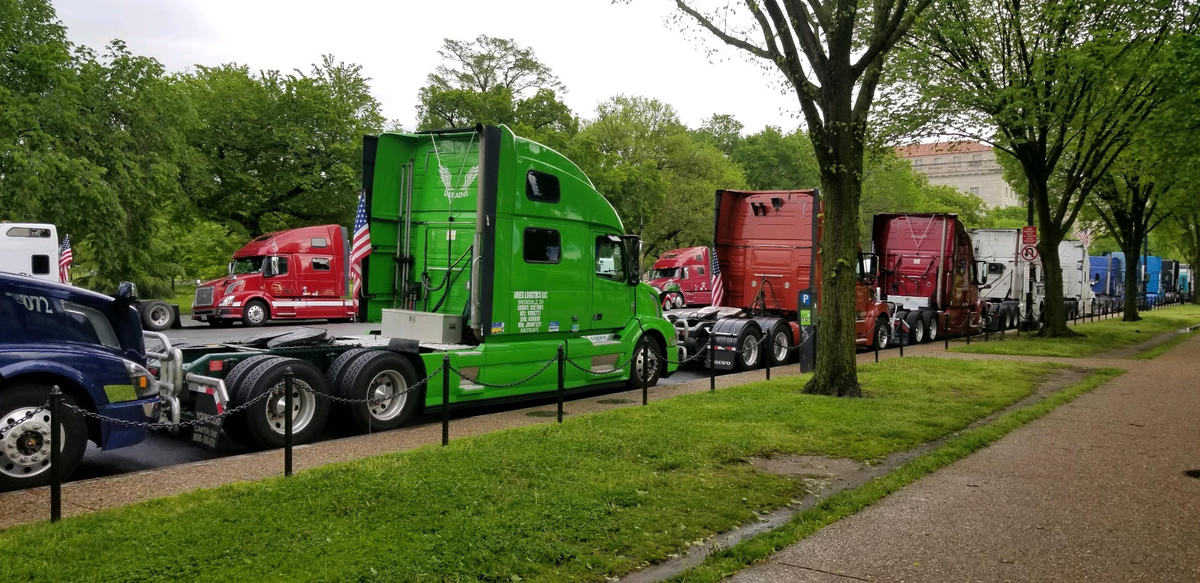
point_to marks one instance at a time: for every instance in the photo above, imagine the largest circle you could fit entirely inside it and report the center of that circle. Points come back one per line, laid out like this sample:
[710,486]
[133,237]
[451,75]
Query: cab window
[610,258]
[321,264]
[541,187]
[41,264]
[542,245]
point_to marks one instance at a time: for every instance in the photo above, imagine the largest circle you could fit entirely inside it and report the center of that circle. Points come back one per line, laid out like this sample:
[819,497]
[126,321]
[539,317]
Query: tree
[721,130]
[832,53]
[495,81]
[1057,84]
[659,176]
[772,159]
[278,150]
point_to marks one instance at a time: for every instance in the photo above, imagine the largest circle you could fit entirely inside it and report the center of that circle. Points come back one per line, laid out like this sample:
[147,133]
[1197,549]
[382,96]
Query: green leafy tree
[832,54]
[659,176]
[494,80]
[772,159]
[1058,85]
[279,151]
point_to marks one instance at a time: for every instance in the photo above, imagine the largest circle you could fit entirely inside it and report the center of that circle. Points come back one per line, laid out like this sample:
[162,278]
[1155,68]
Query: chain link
[505,385]
[616,368]
[374,401]
[4,430]
[158,425]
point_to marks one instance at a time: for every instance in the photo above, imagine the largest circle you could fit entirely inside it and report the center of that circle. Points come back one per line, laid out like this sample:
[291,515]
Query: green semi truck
[486,248]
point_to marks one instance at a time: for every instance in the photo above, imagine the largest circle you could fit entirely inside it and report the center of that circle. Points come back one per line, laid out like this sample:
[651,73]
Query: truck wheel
[647,363]
[780,344]
[932,328]
[25,446]
[1014,319]
[385,378]
[340,364]
[916,328]
[256,313]
[156,316]
[235,425]
[749,348]
[264,422]
[883,333]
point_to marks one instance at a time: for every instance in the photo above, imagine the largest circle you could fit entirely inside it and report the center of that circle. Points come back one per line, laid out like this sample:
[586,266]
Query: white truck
[1008,279]
[33,249]
[1076,268]
[29,249]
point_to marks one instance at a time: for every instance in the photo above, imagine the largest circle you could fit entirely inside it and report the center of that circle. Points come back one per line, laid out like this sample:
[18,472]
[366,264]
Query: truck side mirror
[981,272]
[632,246]
[271,267]
[868,266]
[126,292]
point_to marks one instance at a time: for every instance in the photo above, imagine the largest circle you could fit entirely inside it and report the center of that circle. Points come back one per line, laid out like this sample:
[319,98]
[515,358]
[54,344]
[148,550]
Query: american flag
[361,245]
[718,283]
[65,258]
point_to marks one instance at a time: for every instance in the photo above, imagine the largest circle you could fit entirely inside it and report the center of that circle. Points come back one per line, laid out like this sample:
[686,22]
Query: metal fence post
[876,344]
[945,330]
[712,361]
[768,354]
[55,472]
[642,378]
[903,339]
[289,384]
[445,399]
[561,381]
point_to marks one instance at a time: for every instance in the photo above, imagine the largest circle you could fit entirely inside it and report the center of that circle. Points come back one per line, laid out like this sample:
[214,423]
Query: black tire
[256,313]
[881,336]
[156,315]
[25,447]
[780,340]
[933,327]
[916,327]
[380,374]
[745,357]
[310,410]
[648,361]
[336,368]
[234,426]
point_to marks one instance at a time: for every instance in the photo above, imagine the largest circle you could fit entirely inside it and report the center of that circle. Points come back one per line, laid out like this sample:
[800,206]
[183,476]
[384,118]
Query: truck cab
[30,249]
[684,271]
[294,274]
[1108,280]
[88,344]
[929,273]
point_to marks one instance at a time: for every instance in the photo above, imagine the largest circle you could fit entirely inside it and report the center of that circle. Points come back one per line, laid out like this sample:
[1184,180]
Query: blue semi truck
[91,346]
[1108,280]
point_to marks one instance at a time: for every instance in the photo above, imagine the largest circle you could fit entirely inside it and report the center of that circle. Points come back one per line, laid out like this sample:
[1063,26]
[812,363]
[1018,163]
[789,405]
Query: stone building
[968,166]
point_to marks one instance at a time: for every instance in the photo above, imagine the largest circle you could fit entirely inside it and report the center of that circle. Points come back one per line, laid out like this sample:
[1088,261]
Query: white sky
[596,48]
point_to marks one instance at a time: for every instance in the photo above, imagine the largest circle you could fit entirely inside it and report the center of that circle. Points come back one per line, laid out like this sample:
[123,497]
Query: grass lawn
[596,496]
[1097,336]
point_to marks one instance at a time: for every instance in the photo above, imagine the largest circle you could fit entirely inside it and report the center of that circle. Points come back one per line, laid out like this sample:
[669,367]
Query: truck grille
[204,296]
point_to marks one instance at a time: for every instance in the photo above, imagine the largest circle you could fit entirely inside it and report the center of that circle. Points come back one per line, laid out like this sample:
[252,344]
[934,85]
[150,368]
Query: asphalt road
[161,449]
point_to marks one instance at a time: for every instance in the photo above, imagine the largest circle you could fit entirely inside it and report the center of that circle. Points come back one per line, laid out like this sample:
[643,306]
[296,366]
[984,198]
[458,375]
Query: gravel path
[1098,490]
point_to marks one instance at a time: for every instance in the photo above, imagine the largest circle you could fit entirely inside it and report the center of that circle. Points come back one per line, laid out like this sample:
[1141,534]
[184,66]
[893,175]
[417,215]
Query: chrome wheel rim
[932,331]
[388,393]
[304,406]
[780,346]
[25,447]
[255,314]
[749,350]
[645,362]
[882,336]
[159,316]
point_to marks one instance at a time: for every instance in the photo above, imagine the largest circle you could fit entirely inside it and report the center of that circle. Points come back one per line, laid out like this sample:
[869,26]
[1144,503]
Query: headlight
[141,379]
[227,300]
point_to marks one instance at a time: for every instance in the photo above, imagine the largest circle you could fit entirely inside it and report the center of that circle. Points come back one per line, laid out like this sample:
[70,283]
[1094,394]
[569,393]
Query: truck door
[279,279]
[612,297]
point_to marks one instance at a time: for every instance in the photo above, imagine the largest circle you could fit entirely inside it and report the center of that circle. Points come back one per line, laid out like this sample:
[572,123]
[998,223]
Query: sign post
[1029,254]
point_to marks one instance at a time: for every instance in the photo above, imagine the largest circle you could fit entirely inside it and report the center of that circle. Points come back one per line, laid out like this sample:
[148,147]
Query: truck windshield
[243,265]
[672,272]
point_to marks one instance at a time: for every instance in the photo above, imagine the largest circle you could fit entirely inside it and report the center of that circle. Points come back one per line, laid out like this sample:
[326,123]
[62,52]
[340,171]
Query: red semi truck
[685,271]
[766,251]
[925,268]
[295,274]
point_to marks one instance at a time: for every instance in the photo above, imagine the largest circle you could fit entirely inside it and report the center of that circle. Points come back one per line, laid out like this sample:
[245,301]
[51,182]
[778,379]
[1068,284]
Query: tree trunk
[1133,288]
[836,370]
[1054,313]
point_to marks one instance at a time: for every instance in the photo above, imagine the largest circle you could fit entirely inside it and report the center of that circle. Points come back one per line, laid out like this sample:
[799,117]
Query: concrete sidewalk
[1094,491]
